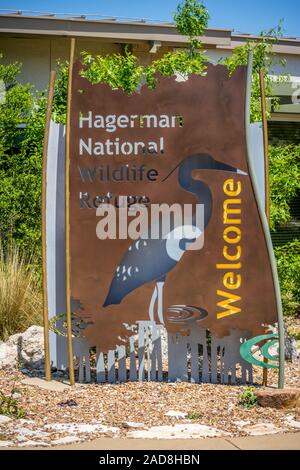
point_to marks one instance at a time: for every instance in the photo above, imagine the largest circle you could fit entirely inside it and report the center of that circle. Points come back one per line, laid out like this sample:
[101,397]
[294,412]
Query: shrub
[20,293]
[248,399]
[194,416]
[284,187]
[21,140]
[10,406]
[262,60]
[288,265]
[284,181]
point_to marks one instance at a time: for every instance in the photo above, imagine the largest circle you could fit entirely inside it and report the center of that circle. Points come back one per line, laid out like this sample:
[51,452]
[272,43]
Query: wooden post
[67,217]
[44,245]
[266,166]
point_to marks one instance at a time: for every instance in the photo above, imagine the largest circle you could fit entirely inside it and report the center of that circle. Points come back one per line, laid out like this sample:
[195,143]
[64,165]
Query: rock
[77,428]
[260,429]
[292,422]
[31,443]
[8,354]
[24,348]
[176,414]
[241,423]
[132,424]
[67,403]
[53,385]
[278,398]
[5,419]
[58,373]
[6,443]
[290,349]
[26,421]
[65,440]
[32,347]
[20,438]
[179,431]
[24,433]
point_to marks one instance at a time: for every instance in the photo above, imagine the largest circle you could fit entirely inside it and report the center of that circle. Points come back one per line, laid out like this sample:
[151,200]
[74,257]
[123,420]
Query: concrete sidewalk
[288,441]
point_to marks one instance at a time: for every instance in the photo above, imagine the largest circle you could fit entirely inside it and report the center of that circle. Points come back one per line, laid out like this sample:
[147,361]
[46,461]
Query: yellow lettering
[234,257]
[232,281]
[229,190]
[228,210]
[226,304]
[229,266]
[232,229]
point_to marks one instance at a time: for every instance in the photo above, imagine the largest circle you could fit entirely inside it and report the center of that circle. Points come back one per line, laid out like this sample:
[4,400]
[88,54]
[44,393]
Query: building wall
[39,55]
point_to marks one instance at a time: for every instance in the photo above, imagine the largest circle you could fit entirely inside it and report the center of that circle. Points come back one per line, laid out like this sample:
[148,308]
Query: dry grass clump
[20,292]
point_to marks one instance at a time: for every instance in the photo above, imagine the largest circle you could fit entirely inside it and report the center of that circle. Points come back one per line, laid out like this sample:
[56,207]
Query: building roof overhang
[20,25]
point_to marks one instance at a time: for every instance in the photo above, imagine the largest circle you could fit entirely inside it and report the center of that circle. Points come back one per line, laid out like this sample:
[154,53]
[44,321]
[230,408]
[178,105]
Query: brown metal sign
[182,143]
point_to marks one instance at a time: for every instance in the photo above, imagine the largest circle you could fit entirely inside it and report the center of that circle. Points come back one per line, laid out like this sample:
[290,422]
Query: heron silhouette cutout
[152,259]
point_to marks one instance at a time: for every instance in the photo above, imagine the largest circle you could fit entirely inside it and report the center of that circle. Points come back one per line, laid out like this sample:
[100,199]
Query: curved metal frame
[264,225]
[43,225]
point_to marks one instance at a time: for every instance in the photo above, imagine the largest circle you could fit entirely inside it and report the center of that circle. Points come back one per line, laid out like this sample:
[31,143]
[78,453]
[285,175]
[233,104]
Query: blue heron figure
[152,259]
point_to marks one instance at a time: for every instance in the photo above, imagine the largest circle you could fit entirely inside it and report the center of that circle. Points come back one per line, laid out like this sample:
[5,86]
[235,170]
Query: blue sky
[246,16]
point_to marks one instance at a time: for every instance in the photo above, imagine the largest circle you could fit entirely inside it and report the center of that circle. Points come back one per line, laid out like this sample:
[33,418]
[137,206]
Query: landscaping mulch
[116,405]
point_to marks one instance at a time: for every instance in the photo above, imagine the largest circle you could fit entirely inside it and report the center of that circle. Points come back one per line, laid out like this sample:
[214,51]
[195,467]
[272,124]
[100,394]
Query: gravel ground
[117,406]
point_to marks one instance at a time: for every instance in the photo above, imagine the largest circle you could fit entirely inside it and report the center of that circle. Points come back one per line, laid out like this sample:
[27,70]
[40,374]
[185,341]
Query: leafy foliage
[248,398]
[125,72]
[288,265]
[180,62]
[194,416]
[9,406]
[261,50]
[284,181]
[8,73]
[19,169]
[191,17]
[59,104]
[262,60]
[118,71]
[284,187]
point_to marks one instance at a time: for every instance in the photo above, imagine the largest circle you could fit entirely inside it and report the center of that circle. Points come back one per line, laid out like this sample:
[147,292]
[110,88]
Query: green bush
[10,406]
[248,399]
[284,182]
[288,265]
[262,60]
[22,118]
[284,187]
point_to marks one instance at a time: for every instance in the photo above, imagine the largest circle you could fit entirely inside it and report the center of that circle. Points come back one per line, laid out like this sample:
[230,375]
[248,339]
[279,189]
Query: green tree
[284,182]
[16,111]
[125,72]
[288,265]
[264,60]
